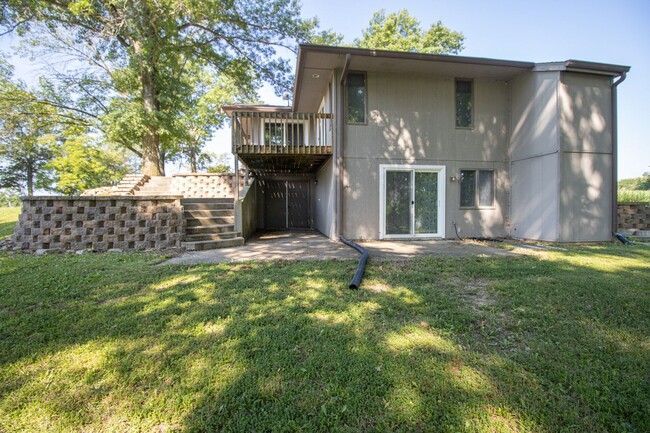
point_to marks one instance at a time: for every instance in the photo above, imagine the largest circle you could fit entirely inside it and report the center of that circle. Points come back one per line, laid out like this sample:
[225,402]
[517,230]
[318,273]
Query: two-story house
[381,144]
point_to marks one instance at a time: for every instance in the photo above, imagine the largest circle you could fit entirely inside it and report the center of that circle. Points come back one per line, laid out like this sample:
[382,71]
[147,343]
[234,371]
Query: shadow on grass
[496,344]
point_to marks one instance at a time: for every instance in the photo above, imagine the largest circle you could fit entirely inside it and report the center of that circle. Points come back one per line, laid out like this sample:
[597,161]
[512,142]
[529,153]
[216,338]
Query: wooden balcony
[282,141]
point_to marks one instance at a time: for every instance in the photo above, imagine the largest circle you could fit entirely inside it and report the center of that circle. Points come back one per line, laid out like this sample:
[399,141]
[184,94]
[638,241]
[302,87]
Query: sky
[600,31]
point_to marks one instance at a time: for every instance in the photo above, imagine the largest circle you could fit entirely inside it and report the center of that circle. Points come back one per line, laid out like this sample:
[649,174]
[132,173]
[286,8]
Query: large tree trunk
[193,161]
[152,163]
[30,180]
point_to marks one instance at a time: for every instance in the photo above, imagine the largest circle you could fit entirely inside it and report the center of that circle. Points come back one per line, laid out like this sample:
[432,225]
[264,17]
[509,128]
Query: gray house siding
[324,191]
[534,152]
[323,200]
[561,156]
[410,120]
[586,159]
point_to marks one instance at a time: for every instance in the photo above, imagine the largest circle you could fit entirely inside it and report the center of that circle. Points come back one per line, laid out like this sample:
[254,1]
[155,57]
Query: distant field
[8,219]
[628,196]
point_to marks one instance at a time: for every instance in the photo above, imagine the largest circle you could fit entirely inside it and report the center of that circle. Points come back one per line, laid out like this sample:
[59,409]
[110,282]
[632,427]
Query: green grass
[627,196]
[8,219]
[549,342]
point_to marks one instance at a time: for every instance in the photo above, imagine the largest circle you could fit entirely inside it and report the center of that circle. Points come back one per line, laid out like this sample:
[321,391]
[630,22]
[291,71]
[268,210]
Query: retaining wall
[633,216]
[100,223]
[200,185]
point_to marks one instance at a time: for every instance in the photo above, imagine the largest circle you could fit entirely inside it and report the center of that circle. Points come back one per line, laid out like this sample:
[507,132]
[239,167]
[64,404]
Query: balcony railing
[282,132]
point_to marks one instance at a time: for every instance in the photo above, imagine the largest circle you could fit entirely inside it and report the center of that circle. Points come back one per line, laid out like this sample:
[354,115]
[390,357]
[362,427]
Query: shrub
[627,196]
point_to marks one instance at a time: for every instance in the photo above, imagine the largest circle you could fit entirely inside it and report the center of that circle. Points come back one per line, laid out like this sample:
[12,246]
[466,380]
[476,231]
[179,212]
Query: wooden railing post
[236,185]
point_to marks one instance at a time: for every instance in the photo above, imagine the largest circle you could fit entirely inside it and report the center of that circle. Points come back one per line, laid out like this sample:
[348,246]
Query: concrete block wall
[205,185]
[100,223]
[634,216]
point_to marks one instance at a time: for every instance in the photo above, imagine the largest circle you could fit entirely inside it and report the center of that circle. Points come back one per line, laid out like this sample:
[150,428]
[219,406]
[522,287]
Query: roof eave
[365,52]
[583,67]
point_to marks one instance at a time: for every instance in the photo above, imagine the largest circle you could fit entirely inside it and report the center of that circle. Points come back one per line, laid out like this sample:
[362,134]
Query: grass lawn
[549,342]
[8,219]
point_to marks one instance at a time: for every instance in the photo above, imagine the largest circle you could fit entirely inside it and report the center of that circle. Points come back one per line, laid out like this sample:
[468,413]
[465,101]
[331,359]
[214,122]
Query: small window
[476,188]
[464,103]
[356,97]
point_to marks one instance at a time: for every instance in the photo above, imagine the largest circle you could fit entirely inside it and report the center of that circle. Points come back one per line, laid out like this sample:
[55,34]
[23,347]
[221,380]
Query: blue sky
[541,31]
[610,32]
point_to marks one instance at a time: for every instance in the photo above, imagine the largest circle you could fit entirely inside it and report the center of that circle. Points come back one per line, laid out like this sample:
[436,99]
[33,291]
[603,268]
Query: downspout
[340,141]
[615,153]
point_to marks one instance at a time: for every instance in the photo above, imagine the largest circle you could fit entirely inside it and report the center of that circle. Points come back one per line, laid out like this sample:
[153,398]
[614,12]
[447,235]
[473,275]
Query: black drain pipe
[624,240]
[358,275]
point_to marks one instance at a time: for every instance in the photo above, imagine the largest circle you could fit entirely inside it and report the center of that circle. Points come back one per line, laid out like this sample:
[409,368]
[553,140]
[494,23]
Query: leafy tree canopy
[402,32]
[636,184]
[83,163]
[27,136]
[132,63]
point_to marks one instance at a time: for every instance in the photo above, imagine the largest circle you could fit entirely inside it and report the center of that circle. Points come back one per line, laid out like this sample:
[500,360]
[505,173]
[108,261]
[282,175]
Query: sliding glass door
[412,201]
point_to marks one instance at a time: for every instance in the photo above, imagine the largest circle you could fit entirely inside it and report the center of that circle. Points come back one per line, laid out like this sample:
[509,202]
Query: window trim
[471,122]
[365,98]
[477,192]
[442,199]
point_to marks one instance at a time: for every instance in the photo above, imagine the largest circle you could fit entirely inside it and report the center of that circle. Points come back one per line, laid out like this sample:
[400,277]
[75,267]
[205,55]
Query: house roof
[228,109]
[316,64]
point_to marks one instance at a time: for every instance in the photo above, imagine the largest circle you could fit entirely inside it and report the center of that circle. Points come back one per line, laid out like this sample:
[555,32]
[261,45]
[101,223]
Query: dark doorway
[286,204]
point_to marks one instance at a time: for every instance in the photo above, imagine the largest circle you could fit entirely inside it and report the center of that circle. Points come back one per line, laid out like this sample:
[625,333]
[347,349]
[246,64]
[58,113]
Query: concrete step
[203,230]
[209,221]
[211,236]
[208,200]
[214,229]
[208,213]
[207,206]
[211,245]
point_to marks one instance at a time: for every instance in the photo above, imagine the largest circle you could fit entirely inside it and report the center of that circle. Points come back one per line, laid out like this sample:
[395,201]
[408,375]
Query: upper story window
[464,103]
[476,188]
[356,97]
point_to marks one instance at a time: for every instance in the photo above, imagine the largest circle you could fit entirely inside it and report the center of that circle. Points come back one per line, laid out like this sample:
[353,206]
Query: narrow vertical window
[356,97]
[464,103]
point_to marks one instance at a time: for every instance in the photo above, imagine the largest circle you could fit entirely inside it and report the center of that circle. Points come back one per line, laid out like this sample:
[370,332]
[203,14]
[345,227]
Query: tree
[83,163]
[26,137]
[219,164]
[136,55]
[202,116]
[636,184]
[327,37]
[402,32]
[9,198]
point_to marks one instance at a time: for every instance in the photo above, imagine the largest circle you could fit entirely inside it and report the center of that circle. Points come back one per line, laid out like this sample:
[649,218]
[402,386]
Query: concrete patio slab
[311,245]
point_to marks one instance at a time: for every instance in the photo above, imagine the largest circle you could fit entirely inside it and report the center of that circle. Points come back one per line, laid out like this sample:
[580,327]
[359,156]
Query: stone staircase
[210,224]
[130,183]
[157,185]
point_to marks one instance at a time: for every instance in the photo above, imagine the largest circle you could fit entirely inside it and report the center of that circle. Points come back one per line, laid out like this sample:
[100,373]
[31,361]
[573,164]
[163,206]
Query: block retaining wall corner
[100,223]
[633,216]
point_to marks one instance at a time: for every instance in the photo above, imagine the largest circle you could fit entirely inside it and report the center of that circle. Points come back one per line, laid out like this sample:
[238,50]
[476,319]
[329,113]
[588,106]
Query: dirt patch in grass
[475,292]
